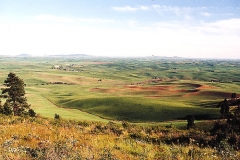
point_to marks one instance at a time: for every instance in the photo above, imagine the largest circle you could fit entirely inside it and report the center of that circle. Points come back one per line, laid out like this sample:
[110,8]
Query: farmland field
[149,89]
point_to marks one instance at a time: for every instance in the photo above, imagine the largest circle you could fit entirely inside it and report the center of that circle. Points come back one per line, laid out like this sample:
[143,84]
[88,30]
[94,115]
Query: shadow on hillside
[202,117]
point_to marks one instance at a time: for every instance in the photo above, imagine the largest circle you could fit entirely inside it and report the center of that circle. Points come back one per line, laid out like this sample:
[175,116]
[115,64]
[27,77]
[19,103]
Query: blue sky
[186,28]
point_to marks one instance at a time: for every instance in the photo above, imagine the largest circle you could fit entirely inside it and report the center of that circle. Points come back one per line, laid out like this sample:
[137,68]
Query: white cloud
[169,12]
[222,27]
[95,20]
[156,6]
[144,7]
[228,27]
[125,9]
[53,18]
[207,40]
[205,14]
[228,24]
[171,9]
[219,39]
[130,9]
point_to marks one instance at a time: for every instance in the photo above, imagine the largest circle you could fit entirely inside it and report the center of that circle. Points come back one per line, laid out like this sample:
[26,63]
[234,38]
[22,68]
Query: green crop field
[142,90]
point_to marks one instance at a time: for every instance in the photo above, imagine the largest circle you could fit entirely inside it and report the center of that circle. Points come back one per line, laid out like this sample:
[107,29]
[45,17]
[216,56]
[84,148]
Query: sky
[121,28]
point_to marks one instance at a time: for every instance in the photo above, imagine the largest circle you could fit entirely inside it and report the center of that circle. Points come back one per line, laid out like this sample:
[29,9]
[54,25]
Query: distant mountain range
[91,56]
[70,55]
[24,55]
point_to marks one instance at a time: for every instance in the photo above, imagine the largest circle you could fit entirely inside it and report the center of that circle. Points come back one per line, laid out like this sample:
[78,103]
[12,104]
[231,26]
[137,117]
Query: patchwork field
[134,89]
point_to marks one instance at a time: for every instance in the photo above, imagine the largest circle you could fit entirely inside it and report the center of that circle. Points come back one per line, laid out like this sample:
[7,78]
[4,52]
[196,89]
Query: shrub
[56,116]
[31,113]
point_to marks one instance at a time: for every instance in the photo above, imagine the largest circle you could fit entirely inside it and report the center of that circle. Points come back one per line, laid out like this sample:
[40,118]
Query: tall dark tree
[234,95]
[16,100]
[190,120]
[1,107]
[224,107]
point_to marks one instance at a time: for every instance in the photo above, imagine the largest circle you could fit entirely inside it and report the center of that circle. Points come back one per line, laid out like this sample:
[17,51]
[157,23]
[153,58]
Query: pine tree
[7,109]
[1,107]
[16,100]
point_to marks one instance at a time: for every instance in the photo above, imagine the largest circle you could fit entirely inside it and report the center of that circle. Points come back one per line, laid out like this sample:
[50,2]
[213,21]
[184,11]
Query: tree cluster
[16,102]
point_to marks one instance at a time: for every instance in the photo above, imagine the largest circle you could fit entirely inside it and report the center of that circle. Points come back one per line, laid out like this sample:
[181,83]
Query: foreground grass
[41,138]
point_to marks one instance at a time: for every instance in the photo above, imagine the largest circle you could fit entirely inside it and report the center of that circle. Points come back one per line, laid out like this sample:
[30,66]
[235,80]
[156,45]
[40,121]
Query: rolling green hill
[133,89]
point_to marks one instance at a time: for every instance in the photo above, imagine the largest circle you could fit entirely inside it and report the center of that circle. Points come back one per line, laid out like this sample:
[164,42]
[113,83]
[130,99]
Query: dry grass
[38,138]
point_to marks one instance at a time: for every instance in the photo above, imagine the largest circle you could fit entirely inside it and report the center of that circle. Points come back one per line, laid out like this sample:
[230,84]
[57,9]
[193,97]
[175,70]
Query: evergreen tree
[16,100]
[31,113]
[1,107]
[190,120]
[7,109]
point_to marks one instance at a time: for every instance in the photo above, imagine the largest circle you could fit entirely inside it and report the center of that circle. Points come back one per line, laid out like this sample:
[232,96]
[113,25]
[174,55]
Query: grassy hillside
[41,138]
[137,89]
[121,109]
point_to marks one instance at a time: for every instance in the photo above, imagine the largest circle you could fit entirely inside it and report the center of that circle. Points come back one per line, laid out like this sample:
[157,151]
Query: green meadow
[141,90]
